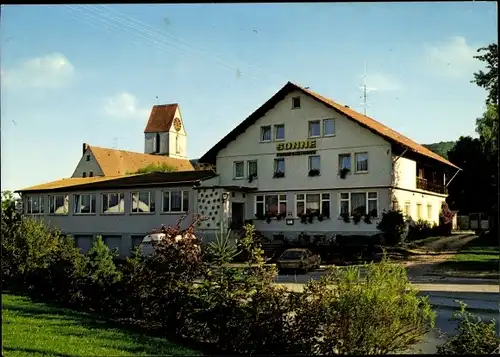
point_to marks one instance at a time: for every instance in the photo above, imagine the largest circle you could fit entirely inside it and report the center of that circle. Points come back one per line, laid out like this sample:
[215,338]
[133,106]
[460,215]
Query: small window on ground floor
[359,203]
[175,201]
[59,204]
[271,204]
[312,203]
[34,204]
[143,202]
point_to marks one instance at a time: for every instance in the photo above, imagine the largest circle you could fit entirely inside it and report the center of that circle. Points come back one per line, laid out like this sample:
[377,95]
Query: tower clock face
[177,124]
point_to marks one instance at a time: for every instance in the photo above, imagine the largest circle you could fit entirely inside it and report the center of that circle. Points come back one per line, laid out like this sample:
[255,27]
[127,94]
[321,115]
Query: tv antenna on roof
[157,100]
[366,90]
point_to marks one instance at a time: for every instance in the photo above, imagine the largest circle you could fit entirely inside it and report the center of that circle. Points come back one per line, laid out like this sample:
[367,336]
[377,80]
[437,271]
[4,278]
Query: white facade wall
[122,226]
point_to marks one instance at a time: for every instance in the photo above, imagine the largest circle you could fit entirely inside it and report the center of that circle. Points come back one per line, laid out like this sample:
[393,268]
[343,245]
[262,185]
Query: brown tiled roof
[361,119]
[180,178]
[161,118]
[66,183]
[120,162]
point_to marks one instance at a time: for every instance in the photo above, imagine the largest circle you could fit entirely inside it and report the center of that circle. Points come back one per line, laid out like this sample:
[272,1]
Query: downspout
[456,173]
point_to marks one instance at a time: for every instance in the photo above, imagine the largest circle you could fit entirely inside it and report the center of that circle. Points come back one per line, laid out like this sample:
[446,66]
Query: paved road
[444,325]
[481,295]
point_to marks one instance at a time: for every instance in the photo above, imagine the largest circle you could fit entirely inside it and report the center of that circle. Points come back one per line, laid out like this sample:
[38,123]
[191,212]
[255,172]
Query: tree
[157,167]
[470,190]
[489,79]
[487,128]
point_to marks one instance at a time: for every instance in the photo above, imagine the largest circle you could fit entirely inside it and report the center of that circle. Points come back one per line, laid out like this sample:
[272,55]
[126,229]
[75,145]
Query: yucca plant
[224,249]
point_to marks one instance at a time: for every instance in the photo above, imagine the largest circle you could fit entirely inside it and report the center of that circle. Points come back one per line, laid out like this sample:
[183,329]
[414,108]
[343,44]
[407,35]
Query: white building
[299,152]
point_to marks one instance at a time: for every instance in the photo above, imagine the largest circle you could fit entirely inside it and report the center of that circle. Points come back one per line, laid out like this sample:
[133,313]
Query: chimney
[84,148]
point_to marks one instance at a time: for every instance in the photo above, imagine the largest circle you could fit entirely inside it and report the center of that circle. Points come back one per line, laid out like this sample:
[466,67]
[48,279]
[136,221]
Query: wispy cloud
[124,106]
[52,71]
[453,58]
[381,82]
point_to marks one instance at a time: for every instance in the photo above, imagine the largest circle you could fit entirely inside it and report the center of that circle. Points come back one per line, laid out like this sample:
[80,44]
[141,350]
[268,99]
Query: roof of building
[367,122]
[178,178]
[161,118]
[120,162]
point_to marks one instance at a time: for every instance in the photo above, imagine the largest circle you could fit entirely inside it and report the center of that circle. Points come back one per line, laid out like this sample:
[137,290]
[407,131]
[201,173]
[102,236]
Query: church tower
[165,133]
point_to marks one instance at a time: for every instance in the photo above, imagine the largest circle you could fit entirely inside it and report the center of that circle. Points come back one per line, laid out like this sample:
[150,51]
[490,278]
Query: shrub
[166,279]
[224,249]
[240,310]
[393,227]
[474,336]
[98,277]
[378,314]
[59,280]
[421,230]
[27,245]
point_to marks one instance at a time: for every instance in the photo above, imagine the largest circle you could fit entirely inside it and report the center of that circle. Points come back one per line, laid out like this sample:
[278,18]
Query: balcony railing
[425,185]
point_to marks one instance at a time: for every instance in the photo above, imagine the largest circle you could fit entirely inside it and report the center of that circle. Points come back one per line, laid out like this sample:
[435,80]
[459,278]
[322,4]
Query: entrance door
[238,215]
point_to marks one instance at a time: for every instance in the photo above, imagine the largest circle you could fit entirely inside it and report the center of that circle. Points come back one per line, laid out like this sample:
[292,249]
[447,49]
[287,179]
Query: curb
[469,309]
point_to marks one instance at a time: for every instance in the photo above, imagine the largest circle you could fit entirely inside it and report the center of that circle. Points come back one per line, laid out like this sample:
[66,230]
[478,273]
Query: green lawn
[474,261]
[33,329]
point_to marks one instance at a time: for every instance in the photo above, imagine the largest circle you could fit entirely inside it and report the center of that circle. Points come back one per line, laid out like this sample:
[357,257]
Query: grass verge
[481,262]
[34,329]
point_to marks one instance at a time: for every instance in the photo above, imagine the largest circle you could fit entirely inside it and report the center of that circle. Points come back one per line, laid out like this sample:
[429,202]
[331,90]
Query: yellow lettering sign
[296,145]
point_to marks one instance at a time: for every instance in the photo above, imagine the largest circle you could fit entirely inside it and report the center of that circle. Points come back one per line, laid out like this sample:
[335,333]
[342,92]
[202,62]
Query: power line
[145,31]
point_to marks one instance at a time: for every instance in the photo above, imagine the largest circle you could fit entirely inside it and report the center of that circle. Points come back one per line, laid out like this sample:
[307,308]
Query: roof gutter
[456,173]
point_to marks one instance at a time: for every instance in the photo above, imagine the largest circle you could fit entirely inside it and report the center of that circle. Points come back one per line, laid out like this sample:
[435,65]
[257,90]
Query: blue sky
[91,73]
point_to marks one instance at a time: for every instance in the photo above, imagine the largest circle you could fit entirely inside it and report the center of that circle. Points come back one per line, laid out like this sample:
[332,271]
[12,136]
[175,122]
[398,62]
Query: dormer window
[295,102]
[87,158]
[91,174]
[84,174]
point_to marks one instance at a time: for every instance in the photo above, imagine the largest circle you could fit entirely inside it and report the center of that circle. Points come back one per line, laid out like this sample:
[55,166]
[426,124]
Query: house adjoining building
[299,163]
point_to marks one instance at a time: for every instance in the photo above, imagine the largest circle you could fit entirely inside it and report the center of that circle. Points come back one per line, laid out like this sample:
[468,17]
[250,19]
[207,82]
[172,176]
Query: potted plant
[279,174]
[280,216]
[303,218]
[321,217]
[345,217]
[357,214]
[251,177]
[313,172]
[343,172]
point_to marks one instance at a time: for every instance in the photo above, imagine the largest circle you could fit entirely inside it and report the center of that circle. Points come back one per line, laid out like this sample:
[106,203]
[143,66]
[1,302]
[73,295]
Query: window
[344,203]
[265,133]
[34,205]
[295,102]
[328,127]
[395,205]
[239,169]
[316,203]
[84,204]
[177,145]
[314,129]
[156,142]
[252,168]
[279,132]
[175,201]
[143,202]
[91,174]
[84,174]
[314,164]
[419,211]
[361,162]
[407,209]
[345,161]
[279,167]
[270,204]
[59,204]
[359,202]
[113,203]
[429,211]
[87,158]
